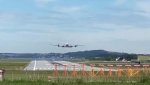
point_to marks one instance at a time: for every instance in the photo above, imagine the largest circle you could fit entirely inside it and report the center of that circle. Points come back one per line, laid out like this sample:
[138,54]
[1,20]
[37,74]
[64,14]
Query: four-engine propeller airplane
[67,45]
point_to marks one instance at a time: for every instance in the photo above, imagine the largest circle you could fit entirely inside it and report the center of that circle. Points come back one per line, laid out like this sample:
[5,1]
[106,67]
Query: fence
[87,73]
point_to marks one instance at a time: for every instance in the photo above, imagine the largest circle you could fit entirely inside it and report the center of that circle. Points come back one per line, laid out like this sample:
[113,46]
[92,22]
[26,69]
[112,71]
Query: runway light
[119,70]
[56,70]
[110,70]
[65,70]
[92,73]
[101,70]
[74,73]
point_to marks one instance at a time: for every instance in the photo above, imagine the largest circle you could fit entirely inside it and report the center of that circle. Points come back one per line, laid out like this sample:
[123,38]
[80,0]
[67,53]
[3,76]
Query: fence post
[137,72]
[65,70]
[101,70]
[83,70]
[129,71]
[119,70]
[110,70]
[56,70]
[92,70]
[74,73]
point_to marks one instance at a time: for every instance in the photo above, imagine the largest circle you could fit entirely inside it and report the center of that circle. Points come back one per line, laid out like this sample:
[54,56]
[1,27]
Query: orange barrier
[110,70]
[119,70]
[137,70]
[92,73]
[56,70]
[129,71]
[74,73]
[65,70]
[83,73]
[101,70]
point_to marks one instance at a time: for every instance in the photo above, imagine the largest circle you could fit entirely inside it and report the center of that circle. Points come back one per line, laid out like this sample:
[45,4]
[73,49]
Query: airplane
[67,45]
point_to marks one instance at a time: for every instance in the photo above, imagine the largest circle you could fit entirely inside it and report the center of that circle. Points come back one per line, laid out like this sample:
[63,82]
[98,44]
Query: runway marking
[45,65]
[34,65]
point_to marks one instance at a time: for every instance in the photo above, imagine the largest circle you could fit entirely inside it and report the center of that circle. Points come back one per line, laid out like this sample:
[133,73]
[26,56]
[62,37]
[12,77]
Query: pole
[56,70]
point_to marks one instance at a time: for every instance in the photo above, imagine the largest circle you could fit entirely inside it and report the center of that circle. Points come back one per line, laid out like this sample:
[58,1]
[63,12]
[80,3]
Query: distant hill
[91,54]
[103,54]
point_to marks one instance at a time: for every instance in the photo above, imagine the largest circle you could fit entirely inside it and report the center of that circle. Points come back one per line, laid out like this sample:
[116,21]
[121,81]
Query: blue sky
[29,26]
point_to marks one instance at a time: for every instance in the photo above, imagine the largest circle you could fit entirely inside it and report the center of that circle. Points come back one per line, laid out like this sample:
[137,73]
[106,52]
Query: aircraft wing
[53,45]
[78,45]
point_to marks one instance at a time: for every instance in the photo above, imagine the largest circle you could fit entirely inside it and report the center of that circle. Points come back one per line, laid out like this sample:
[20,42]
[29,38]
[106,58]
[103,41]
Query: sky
[30,26]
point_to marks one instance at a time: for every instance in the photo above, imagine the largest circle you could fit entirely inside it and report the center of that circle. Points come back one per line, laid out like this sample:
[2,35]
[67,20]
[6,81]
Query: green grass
[77,82]
[11,64]
[143,58]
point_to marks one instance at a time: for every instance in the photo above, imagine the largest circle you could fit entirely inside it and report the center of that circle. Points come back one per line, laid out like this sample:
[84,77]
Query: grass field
[143,58]
[78,82]
[15,75]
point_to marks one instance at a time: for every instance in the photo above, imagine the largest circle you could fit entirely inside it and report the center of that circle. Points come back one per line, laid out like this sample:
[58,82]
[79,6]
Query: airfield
[47,72]
[108,69]
[40,65]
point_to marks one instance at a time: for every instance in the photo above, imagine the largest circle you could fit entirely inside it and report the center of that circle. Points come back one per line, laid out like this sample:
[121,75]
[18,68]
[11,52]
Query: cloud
[17,22]
[110,26]
[43,3]
[120,2]
[72,9]
[122,31]
[7,21]
[144,7]
[6,17]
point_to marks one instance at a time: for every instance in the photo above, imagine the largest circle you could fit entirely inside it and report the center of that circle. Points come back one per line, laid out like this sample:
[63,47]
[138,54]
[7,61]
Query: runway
[39,65]
[51,65]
